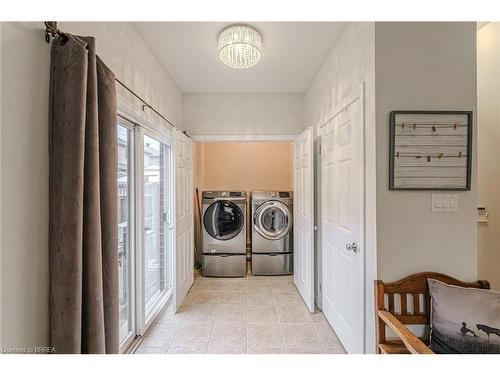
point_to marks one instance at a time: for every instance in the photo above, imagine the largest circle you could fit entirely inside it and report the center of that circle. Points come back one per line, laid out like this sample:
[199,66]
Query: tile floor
[254,315]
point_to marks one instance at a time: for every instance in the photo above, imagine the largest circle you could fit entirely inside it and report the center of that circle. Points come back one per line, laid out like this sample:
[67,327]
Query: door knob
[352,247]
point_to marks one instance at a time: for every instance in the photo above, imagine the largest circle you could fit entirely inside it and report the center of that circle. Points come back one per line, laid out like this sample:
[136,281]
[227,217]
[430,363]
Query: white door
[184,221]
[342,220]
[303,213]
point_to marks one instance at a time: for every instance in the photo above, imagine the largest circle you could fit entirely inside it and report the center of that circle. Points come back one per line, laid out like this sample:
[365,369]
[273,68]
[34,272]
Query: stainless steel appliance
[224,233]
[272,234]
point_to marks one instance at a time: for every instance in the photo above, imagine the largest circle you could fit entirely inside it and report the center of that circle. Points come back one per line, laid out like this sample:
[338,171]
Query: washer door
[273,220]
[223,220]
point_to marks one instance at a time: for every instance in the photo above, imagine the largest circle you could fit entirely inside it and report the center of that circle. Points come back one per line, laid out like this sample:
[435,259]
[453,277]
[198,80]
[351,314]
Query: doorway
[145,236]
[239,167]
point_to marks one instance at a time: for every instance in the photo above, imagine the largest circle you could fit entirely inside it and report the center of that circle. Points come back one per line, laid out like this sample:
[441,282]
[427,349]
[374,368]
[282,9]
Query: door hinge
[320,287]
[319,149]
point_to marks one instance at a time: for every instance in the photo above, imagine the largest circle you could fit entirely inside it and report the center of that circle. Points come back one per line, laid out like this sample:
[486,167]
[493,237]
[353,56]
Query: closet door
[184,219]
[303,207]
[343,220]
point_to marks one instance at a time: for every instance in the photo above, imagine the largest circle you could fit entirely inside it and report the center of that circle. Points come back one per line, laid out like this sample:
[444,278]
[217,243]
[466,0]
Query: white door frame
[370,236]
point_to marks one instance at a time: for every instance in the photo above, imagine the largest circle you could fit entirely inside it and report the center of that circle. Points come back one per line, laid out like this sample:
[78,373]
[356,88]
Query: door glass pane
[273,219]
[124,230]
[155,221]
[223,220]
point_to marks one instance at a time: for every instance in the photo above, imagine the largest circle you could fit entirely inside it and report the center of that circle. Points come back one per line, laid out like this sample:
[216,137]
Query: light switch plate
[444,202]
[482,214]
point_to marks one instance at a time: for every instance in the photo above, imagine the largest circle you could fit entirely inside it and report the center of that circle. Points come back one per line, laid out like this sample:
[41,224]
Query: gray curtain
[83,234]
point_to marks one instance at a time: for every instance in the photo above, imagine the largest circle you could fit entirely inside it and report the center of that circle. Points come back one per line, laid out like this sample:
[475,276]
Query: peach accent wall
[244,166]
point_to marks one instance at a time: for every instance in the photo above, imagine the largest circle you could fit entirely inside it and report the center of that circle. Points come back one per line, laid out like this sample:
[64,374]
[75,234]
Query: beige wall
[488,108]
[24,179]
[243,113]
[24,156]
[424,66]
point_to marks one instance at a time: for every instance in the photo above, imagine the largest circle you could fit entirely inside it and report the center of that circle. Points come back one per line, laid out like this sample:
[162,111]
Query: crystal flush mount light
[240,46]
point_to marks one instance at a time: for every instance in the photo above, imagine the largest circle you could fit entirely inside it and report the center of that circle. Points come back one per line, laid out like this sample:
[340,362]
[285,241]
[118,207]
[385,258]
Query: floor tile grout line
[173,338]
[246,326]
[319,337]
[283,338]
[210,337]
[324,345]
[176,332]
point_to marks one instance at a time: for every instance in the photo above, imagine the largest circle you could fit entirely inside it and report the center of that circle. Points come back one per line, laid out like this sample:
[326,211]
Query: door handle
[352,247]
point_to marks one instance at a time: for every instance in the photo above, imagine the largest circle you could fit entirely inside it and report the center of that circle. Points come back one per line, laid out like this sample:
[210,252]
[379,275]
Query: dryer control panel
[223,194]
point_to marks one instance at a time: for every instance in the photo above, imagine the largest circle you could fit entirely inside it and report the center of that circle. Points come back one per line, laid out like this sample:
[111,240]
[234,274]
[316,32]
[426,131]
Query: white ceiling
[292,54]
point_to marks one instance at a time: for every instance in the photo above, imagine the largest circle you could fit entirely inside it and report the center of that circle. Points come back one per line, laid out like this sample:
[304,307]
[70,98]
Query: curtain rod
[51,30]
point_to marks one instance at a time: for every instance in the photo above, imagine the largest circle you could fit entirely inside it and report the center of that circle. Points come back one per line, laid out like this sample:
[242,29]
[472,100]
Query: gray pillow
[464,320]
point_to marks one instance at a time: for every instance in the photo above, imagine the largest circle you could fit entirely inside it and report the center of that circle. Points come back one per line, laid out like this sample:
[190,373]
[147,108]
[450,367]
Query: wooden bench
[407,302]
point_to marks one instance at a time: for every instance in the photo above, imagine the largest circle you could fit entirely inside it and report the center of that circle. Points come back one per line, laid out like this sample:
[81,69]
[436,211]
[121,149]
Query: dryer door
[273,220]
[223,220]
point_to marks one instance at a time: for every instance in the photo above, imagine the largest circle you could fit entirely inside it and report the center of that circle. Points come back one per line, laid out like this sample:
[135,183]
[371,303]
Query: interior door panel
[342,192]
[184,222]
[303,230]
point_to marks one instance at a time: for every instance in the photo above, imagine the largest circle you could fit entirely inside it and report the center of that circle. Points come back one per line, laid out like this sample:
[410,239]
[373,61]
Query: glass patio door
[145,241]
[156,200]
[126,232]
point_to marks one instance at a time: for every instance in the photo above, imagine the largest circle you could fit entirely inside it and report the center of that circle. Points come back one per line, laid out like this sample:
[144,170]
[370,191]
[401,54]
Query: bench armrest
[412,342]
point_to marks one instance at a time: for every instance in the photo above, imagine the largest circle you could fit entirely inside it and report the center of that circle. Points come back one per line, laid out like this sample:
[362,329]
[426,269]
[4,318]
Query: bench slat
[404,310]
[416,304]
[391,303]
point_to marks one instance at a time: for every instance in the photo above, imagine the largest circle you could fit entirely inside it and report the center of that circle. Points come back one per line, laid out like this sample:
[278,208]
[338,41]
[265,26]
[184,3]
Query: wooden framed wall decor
[430,150]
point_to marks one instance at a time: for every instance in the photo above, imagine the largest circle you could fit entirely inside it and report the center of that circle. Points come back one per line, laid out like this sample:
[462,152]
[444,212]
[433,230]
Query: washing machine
[272,232]
[224,233]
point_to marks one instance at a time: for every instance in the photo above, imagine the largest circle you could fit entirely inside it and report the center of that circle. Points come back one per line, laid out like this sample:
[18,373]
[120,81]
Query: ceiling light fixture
[240,46]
